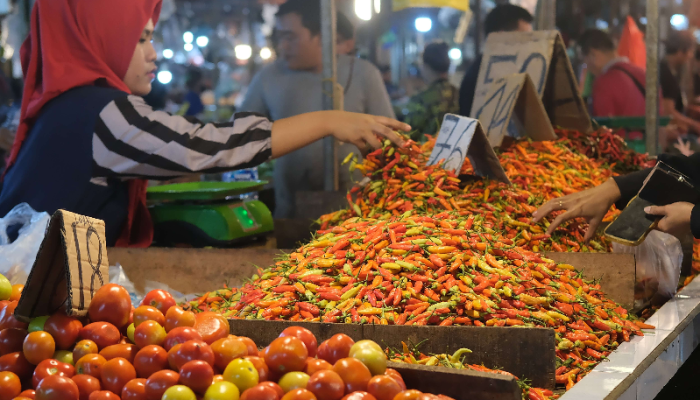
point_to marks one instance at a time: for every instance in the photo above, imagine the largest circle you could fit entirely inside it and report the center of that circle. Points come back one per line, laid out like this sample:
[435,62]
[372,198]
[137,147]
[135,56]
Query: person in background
[345,40]
[395,92]
[193,97]
[425,111]
[503,18]
[292,85]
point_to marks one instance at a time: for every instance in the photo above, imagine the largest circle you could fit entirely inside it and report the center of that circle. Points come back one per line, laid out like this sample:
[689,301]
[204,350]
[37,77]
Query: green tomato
[362,344]
[293,380]
[179,392]
[130,332]
[374,360]
[64,356]
[241,373]
[223,390]
[5,288]
[37,324]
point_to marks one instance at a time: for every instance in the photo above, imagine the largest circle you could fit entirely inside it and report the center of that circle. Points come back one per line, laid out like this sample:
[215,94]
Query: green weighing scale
[203,214]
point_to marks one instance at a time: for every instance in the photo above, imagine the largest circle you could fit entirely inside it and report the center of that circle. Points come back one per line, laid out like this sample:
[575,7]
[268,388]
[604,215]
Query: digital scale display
[244,217]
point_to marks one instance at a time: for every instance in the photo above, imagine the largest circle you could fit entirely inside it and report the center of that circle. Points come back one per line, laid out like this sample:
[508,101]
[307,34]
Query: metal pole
[546,15]
[328,41]
[652,88]
[478,27]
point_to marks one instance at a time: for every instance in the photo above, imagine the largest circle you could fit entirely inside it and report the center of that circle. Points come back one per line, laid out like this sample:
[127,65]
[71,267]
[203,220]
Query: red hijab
[74,43]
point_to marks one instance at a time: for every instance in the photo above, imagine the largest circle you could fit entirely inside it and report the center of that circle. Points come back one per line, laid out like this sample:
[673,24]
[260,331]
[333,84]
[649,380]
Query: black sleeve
[629,186]
[670,88]
[468,88]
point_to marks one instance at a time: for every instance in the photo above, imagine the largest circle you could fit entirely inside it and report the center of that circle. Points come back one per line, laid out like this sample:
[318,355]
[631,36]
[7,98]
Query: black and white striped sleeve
[133,140]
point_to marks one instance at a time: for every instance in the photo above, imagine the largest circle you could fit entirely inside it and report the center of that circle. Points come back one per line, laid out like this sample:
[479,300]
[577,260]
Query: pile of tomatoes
[159,351]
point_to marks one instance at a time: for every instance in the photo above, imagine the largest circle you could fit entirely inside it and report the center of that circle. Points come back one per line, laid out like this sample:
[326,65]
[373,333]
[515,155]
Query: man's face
[344,45]
[298,47]
[524,26]
[594,61]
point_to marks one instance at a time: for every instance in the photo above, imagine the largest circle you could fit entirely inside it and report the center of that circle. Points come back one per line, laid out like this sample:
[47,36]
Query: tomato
[293,380]
[335,348]
[102,333]
[188,351]
[384,387]
[51,367]
[314,365]
[91,364]
[226,350]
[126,351]
[56,387]
[37,324]
[5,288]
[177,317]
[355,374]
[38,346]
[159,299]
[259,364]
[374,359]
[83,348]
[16,292]
[260,392]
[241,373]
[326,385]
[197,375]
[148,313]
[116,373]
[11,340]
[180,335]
[135,389]
[212,326]
[274,386]
[362,344]
[179,392]
[7,317]
[397,377]
[222,391]
[217,378]
[63,356]
[252,347]
[112,304]
[409,395]
[103,395]
[17,364]
[359,396]
[64,329]
[86,385]
[150,360]
[157,383]
[148,333]
[305,336]
[10,385]
[299,394]
[29,394]
[286,354]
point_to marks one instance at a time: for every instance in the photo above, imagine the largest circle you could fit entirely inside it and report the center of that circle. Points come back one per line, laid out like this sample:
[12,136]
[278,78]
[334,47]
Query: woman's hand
[676,218]
[591,204]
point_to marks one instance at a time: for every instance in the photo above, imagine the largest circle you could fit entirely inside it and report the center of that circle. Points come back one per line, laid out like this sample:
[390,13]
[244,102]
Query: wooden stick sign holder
[513,109]
[70,267]
[542,55]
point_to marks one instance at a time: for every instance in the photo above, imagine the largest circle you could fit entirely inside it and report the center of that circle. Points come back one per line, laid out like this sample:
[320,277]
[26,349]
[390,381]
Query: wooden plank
[524,352]
[459,384]
[616,271]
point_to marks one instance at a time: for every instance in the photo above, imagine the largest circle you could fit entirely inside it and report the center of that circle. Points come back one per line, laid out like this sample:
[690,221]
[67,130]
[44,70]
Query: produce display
[158,351]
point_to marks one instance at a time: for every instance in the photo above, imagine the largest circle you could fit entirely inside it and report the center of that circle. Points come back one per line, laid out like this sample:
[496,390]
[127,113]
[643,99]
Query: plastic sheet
[17,257]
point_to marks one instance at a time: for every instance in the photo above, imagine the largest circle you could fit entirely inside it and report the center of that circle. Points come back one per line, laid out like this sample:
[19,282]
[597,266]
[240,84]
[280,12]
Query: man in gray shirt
[292,85]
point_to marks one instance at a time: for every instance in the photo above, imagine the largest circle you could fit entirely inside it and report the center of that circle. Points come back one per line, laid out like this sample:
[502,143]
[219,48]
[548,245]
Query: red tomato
[359,396]
[116,373]
[286,354]
[354,373]
[274,386]
[197,375]
[86,385]
[259,364]
[252,347]
[126,351]
[56,387]
[397,377]
[150,360]
[91,364]
[102,333]
[11,340]
[148,313]
[64,329]
[409,395]
[226,350]
[135,389]
[17,364]
[180,335]
[177,317]
[314,365]
[83,348]
[159,299]
[212,326]
[38,346]
[383,387]
[326,385]
[51,367]
[10,385]
[103,395]
[148,333]
[305,336]
[29,394]
[299,394]
[188,351]
[260,392]
[335,348]
[112,304]
[159,382]
[7,317]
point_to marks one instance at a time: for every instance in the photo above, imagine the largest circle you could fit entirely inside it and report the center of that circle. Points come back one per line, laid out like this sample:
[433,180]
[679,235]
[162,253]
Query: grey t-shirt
[279,92]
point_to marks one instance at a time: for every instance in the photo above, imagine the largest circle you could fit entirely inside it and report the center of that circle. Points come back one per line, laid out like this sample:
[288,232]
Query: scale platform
[208,214]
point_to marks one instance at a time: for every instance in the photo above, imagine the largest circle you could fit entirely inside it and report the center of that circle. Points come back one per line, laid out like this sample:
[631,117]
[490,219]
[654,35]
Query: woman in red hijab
[87,140]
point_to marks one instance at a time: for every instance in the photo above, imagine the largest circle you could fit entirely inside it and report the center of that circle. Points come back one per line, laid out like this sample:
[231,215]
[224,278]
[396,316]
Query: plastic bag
[658,261]
[632,44]
[17,258]
[118,276]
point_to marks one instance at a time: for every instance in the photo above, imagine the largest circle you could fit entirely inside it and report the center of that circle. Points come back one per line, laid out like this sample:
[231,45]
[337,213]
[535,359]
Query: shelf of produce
[640,368]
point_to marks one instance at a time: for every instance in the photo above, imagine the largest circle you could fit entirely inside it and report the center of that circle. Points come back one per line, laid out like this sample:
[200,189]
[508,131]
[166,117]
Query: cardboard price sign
[513,108]
[70,267]
[462,137]
[542,55]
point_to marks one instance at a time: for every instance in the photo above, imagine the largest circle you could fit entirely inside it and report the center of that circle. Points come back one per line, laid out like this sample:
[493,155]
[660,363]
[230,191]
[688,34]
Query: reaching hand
[676,218]
[362,129]
[683,147]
